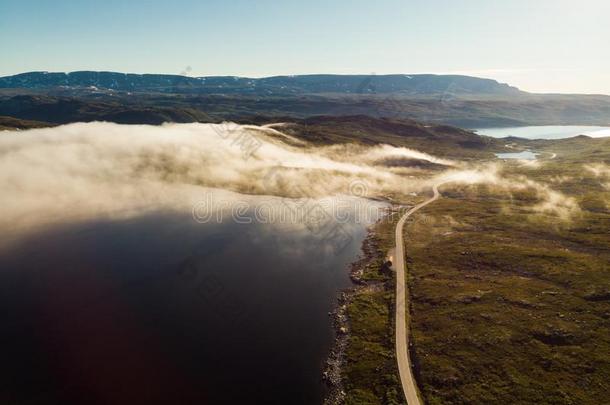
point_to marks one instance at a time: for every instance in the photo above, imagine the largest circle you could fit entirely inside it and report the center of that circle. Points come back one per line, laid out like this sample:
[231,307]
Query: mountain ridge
[404,84]
[461,101]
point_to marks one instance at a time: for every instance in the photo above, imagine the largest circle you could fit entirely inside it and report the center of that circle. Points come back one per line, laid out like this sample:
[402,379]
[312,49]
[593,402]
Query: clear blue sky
[538,45]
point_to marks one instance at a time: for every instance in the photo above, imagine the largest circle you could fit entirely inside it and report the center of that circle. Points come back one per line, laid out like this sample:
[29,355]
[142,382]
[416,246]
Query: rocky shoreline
[332,374]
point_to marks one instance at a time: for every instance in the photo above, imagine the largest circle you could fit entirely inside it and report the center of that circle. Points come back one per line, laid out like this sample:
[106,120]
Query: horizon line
[185,74]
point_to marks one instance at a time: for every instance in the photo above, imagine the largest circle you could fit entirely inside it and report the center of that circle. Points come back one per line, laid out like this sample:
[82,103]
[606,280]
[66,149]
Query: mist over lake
[292,203]
[163,309]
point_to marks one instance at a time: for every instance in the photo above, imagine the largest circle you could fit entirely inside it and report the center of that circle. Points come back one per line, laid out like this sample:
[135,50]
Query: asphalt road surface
[402,338]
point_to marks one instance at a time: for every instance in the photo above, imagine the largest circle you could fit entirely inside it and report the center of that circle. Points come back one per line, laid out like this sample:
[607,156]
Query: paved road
[402,338]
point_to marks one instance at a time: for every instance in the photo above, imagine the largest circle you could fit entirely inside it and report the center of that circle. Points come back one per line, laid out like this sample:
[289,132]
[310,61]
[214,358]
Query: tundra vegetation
[510,297]
[511,305]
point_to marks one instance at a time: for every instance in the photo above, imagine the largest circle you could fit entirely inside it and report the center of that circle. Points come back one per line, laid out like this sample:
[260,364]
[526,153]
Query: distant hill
[11,123]
[440,140]
[412,85]
[145,108]
[463,101]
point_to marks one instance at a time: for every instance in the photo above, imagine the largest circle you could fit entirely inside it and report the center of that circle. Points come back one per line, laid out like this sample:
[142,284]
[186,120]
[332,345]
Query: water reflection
[162,309]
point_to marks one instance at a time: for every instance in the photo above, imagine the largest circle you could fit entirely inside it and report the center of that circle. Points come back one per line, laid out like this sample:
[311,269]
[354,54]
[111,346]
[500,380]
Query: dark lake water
[162,309]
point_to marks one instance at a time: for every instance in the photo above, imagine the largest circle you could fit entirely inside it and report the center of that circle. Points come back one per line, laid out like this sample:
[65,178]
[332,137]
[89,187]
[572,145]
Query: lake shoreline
[372,253]
[334,367]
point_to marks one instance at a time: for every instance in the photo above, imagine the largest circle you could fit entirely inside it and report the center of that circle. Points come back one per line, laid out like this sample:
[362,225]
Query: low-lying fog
[82,171]
[167,265]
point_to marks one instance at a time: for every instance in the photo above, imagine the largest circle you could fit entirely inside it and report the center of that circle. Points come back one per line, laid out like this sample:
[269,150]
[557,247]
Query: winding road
[402,338]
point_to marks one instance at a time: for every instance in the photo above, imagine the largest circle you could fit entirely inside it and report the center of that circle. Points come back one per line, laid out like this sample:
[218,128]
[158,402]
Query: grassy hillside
[440,140]
[510,306]
[62,106]
[11,123]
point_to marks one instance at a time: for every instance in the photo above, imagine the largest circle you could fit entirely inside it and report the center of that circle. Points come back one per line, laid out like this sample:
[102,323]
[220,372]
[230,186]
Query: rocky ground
[337,358]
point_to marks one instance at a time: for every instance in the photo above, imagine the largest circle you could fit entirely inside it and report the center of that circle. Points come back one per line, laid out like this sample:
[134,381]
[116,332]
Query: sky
[557,46]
